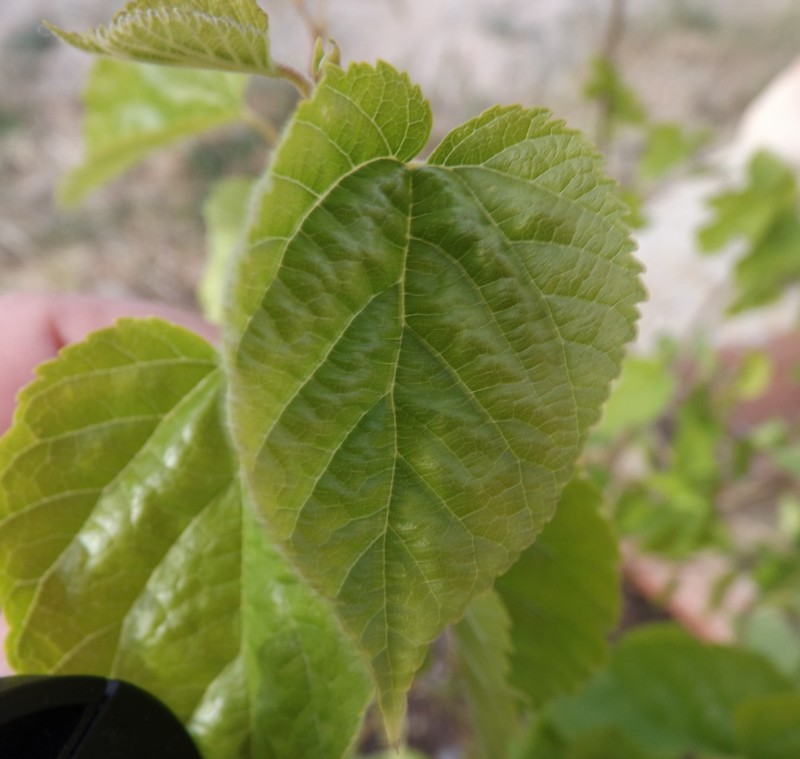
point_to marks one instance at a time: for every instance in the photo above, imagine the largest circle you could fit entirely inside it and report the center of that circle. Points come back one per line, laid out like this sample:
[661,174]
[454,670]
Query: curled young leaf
[229,35]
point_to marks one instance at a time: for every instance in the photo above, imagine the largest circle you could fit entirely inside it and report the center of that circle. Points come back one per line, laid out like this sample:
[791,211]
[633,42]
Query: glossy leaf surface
[122,553]
[132,110]
[230,35]
[563,598]
[416,351]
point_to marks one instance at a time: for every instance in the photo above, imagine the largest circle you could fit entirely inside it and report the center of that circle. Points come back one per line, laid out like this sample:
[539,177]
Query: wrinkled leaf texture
[416,350]
[229,35]
[125,550]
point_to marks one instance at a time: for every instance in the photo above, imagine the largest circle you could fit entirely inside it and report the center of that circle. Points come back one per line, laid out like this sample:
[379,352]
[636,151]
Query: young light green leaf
[563,598]
[749,211]
[224,213]
[415,352]
[483,650]
[668,144]
[639,397]
[670,694]
[229,35]
[121,553]
[607,86]
[132,110]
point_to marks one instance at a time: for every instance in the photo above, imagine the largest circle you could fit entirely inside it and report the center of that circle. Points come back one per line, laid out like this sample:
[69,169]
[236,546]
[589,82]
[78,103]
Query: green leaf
[544,742]
[132,110]
[416,351]
[749,212]
[224,213]
[668,145]
[483,649]
[670,693]
[228,35]
[769,727]
[563,598]
[640,396]
[121,553]
[769,631]
[770,265]
[607,86]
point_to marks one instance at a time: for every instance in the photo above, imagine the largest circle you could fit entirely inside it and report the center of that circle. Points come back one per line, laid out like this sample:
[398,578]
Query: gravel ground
[697,61]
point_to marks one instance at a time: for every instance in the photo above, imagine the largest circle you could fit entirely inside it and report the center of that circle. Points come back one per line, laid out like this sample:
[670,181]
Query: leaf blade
[370,406]
[563,598]
[133,110]
[484,648]
[228,35]
[149,581]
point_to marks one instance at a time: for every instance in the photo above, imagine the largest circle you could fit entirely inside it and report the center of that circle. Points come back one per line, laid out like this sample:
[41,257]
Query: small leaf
[483,649]
[132,110]
[230,35]
[224,213]
[669,693]
[121,553]
[749,212]
[770,265]
[416,351]
[563,598]
[668,145]
[607,86]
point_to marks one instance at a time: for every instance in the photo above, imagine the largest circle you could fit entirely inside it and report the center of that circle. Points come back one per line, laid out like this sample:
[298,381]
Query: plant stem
[613,37]
[293,76]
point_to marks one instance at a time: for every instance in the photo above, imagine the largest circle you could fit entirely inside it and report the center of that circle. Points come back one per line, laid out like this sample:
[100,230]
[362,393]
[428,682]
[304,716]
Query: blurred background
[698,63]
[698,454]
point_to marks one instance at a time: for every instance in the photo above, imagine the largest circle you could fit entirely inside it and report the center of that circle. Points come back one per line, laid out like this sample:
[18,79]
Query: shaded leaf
[483,650]
[230,35]
[416,351]
[670,693]
[132,110]
[769,727]
[563,598]
[121,553]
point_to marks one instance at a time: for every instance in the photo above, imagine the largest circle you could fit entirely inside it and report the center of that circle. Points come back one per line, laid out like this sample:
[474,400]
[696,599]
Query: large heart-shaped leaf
[415,351]
[125,550]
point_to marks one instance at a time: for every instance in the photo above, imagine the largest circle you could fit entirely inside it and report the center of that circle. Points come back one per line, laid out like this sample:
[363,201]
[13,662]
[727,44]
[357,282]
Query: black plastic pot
[83,717]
